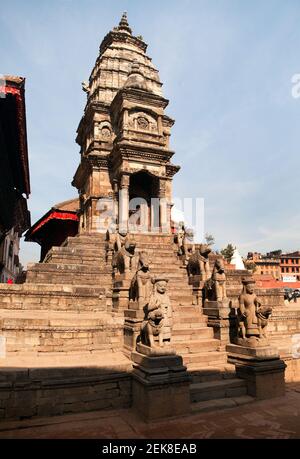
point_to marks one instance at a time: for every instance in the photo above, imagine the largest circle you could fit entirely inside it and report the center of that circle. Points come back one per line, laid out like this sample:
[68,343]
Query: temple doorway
[143,207]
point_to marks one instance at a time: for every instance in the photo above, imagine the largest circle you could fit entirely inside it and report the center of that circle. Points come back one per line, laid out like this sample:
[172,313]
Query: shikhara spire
[123,24]
[120,54]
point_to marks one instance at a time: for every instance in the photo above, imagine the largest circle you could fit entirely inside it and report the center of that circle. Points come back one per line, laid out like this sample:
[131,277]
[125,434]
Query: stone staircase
[213,381]
[65,304]
[64,310]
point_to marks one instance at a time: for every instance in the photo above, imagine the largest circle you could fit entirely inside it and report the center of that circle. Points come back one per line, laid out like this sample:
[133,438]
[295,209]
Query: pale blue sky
[226,68]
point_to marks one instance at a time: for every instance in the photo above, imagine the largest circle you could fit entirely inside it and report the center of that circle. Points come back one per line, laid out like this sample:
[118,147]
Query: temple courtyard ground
[278,418]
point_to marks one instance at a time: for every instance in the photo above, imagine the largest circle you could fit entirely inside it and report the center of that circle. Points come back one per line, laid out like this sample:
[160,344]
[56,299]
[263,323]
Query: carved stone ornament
[141,285]
[156,330]
[142,122]
[215,287]
[125,259]
[105,132]
[252,317]
[198,263]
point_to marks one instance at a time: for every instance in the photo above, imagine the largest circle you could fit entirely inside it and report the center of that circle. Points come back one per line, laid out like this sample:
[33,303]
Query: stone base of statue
[160,385]
[261,367]
[121,287]
[156,350]
[132,327]
[220,319]
[198,282]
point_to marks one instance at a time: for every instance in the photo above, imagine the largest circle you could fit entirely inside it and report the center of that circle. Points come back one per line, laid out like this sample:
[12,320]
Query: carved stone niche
[141,121]
[103,131]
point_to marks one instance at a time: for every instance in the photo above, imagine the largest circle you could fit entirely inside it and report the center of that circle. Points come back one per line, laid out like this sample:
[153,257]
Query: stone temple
[125,313]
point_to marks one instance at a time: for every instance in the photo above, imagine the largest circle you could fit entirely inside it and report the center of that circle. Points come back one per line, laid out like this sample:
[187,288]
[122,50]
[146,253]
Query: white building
[237,260]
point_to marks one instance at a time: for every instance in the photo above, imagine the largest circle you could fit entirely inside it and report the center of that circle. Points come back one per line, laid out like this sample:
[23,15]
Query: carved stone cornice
[167,121]
[137,97]
[99,162]
[98,147]
[138,152]
[171,170]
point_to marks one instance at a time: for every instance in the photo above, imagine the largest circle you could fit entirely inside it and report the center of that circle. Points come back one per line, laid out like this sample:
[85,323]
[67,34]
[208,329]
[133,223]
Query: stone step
[210,373]
[35,331]
[211,358]
[35,318]
[190,326]
[56,303]
[69,279]
[184,294]
[200,392]
[64,267]
[155,254]
[52,297]
[221,403]
[196,346]
[191,309]
[179,336]
[191,320]
[76,259]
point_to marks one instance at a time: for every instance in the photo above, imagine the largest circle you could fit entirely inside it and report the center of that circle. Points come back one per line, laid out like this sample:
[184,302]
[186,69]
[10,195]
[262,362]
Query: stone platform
[60,384]
[267,419]
[65,317]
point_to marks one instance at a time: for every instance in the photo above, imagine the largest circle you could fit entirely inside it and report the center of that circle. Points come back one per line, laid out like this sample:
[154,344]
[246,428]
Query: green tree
[209,239]
[227,252]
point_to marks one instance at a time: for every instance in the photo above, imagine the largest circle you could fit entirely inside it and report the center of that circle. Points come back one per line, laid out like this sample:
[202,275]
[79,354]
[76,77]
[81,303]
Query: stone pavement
[277,418]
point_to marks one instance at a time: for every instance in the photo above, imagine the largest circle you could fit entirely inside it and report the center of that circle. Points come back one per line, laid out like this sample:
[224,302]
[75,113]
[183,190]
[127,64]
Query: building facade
[265,265]
[14,175]
[290,265]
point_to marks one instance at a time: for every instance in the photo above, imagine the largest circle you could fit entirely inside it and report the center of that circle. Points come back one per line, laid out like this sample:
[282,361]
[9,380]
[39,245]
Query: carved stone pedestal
[132,327]
[219,317]
[197,281]
[160,384]
[121,287]
[262,369]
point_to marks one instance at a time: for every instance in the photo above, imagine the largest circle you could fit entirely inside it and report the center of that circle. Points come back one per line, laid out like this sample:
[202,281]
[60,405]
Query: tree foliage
[227,252]
[209,239]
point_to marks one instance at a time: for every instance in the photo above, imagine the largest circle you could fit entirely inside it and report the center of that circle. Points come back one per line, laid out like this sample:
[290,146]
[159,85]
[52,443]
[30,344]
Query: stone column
[159,125]
[116,202]
[164,224]
[144,217]
[124,203]
[125,119]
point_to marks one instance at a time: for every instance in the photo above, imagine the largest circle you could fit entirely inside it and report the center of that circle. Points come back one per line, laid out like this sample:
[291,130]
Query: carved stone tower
[124,140]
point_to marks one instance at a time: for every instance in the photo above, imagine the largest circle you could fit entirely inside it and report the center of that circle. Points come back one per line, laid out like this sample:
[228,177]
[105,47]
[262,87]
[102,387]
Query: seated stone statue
[157,327]
[252,316]
[198,263]
[141,285]
[215,287]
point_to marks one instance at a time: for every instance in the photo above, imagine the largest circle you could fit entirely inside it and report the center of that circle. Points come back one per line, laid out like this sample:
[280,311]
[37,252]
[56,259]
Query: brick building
[290,265]
[265,264]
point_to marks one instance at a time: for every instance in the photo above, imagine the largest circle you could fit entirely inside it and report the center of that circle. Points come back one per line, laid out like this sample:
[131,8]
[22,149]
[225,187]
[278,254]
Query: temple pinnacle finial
[123,24]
